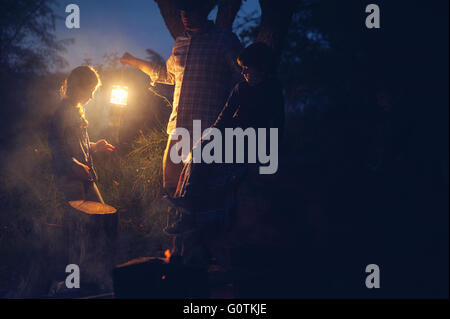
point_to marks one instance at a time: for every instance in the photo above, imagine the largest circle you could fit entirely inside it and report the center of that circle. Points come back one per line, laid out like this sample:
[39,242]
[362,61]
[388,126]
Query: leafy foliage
[27,39]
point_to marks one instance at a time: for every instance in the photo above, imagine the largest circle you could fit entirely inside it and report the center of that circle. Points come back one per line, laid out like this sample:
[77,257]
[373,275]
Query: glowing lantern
[119,95]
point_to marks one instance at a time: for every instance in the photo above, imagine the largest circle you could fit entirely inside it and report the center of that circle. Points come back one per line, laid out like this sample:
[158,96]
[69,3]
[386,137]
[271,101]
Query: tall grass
[31,207]
[130,180]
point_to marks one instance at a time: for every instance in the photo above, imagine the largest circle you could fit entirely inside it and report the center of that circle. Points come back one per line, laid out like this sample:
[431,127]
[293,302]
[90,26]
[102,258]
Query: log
[155,278]
[91,241]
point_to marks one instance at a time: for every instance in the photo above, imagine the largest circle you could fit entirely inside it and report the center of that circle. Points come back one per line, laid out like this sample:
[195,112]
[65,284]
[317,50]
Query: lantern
[119,95]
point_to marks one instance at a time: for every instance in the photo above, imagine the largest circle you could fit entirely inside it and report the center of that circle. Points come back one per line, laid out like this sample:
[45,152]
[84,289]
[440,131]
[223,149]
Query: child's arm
[226,115]
[80,170]
[228,111]
[101,146]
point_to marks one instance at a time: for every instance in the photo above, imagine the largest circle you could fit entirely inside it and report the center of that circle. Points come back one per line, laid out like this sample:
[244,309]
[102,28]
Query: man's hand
[144,66]
[127,58]
[102,146]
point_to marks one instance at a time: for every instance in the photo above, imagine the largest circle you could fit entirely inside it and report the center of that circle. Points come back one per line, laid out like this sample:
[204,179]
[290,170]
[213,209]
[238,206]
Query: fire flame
[167,255]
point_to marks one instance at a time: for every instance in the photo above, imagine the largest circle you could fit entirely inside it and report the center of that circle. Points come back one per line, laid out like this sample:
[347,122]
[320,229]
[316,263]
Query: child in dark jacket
[88,240]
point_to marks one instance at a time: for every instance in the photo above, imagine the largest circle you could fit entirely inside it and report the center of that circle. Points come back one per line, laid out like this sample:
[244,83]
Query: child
[69,141]
[205,189]
[88,241]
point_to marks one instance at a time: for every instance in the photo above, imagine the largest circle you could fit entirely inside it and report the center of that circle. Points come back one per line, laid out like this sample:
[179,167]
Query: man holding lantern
[203,69]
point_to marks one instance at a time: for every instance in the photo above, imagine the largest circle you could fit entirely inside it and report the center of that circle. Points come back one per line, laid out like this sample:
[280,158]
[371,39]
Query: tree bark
[227,12]
[275,21]
[171,16]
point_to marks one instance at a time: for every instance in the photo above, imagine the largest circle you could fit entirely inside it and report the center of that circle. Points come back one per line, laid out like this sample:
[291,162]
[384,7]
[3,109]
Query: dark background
[364,175]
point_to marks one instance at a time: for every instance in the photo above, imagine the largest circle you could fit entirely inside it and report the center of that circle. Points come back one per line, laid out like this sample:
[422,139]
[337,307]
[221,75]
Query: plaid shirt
[203,69]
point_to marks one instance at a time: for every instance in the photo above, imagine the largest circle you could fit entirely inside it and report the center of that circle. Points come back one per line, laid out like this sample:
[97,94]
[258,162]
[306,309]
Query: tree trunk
[225,16]
[227,12]
[171,16]
[275,20]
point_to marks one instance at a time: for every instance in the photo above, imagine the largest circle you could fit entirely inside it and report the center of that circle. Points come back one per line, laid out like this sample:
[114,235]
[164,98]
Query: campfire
[167,255]
[157,277]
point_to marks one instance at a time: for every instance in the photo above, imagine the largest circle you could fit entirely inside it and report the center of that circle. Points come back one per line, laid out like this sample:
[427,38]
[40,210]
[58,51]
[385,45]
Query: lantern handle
[121,74]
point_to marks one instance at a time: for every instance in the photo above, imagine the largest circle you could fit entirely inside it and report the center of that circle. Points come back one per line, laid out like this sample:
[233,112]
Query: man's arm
[225,117]
[158,73]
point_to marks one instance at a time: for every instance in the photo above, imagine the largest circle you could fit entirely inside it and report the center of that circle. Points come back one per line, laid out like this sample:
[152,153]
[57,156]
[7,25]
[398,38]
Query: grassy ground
[129,180]
[132,182]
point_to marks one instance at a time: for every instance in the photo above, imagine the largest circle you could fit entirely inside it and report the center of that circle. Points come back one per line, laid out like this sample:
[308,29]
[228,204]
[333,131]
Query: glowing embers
[119,95]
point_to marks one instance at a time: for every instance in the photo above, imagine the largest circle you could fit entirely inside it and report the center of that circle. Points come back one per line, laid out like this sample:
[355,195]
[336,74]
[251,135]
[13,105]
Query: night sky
[119,26]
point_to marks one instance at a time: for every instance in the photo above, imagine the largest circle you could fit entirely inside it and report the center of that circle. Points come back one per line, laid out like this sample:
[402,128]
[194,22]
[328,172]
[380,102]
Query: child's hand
[128,59]
[81,170]
[102,146]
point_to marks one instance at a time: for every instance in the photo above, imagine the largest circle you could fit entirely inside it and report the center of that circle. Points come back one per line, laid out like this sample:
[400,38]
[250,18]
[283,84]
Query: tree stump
[91,233]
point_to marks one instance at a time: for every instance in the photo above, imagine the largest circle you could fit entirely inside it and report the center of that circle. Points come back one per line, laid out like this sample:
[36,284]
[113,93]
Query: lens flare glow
[119,95]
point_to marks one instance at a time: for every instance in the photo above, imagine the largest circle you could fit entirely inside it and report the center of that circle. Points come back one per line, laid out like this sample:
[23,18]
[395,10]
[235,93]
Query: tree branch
[275,20]
[22,24]
[227,12]
[171,16]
